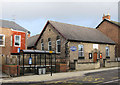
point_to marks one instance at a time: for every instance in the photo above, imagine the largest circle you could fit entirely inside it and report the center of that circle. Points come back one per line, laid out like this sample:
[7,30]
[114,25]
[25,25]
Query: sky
[33,14]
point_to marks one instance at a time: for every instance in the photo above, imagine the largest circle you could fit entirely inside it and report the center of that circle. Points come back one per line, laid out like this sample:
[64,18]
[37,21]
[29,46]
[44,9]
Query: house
[13,38]
[74,43]
[112,30]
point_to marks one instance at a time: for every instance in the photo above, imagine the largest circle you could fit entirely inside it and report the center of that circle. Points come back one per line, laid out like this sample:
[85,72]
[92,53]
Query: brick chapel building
[74,43]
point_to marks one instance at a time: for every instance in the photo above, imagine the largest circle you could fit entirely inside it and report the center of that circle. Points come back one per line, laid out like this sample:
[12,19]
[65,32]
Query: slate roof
[31,40]
[117,23]
[11,24]
[78,33]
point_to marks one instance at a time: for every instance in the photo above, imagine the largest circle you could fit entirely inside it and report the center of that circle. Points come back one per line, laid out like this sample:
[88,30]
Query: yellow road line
[97,82]
[115,77]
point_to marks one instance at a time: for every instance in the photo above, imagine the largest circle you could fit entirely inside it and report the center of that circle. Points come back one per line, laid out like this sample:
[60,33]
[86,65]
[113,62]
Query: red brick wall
[14,49]
[11,70]
[112,31]
[61,67]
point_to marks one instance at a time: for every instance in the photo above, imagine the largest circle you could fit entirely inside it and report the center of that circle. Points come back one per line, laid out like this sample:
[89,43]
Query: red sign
[100,55]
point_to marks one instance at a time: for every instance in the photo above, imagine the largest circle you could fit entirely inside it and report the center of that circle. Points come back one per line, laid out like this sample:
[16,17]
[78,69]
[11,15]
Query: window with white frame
[17,40]
[49,44]
[107,51]
[80,51]
[2,40]
[58,46]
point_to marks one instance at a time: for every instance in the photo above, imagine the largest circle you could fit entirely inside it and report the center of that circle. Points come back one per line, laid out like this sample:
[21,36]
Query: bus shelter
[36,60]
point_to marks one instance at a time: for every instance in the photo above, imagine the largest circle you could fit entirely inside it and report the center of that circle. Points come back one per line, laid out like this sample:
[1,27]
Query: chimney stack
[106,16]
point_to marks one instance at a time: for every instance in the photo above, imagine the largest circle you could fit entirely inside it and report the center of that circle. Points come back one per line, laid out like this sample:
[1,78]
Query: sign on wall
[18,50]
[100,55]
[90,55]
[73,48]
[95,46]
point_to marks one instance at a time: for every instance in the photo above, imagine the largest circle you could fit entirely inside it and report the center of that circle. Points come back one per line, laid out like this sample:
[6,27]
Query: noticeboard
[30,60]
[90,55]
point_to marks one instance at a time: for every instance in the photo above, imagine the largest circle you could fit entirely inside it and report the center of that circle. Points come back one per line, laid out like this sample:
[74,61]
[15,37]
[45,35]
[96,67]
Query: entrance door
[95,57]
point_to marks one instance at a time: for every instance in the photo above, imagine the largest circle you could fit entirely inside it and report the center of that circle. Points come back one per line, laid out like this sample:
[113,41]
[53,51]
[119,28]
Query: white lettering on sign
[95,46]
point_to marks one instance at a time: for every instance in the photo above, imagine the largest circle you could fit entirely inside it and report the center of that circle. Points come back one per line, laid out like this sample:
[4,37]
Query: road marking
[110,81]
[97,81]
[115,77]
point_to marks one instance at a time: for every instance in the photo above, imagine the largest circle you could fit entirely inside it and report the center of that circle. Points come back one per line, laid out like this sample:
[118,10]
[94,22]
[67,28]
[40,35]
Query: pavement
[48,77]
[3,75]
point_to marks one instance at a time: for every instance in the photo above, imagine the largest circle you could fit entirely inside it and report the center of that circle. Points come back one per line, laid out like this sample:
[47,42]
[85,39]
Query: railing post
[51,64]
[23,64]
[55,63]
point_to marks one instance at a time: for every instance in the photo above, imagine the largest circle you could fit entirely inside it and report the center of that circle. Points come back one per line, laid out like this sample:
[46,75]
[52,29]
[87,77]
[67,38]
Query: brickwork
[110,30]
[12,70]
[61,68]
[14,49]
[113,32]
[6,49]
[88,48]
[50,32]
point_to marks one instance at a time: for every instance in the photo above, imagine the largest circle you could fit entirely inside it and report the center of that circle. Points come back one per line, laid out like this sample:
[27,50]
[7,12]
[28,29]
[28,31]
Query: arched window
[49,44]
[58,44]
[58,37]
[80,51]
[107,51]
[42,44]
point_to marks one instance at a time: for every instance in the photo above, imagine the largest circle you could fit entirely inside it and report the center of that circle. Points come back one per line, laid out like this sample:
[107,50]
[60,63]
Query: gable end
[45,29]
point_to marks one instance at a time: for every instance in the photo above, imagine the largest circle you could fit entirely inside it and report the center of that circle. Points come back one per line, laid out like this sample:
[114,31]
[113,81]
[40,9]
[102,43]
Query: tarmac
[48,77]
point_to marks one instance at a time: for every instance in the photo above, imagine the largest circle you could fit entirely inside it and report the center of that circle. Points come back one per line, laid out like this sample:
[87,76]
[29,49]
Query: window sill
[2,45]
[107,57]
[81,57]
[17,46]
[58,53]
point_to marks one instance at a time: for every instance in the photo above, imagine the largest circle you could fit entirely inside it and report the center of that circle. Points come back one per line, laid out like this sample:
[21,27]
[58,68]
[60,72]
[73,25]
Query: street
[110,77]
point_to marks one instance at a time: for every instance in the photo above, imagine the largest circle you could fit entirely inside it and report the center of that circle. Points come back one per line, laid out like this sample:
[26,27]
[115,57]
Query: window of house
[17,40]
[2,40]
[107,51]
[80,51]
[49,44]
[42,44]
[58,46]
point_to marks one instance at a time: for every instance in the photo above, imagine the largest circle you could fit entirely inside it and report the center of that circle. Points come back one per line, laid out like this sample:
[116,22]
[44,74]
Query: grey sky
[33,15]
